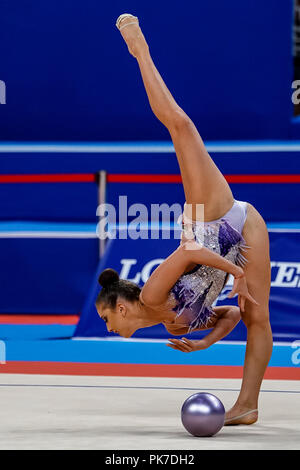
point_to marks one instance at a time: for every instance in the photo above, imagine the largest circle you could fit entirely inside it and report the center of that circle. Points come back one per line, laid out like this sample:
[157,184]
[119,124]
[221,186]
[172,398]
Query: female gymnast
[180,292]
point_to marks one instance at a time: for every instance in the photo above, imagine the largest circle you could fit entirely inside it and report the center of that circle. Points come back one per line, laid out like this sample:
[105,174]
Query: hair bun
[107,277]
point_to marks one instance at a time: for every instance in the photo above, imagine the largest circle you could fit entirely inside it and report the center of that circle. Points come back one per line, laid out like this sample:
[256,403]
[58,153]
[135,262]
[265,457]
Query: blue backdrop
[69,76]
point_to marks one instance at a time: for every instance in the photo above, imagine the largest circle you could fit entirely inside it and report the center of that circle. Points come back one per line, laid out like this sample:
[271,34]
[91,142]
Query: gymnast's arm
[156,290]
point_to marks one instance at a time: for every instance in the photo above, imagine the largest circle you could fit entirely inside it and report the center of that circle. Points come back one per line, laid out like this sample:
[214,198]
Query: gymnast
[180,292]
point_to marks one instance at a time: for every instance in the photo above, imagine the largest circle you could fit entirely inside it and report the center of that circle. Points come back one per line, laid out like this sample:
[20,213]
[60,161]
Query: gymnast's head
[118,303]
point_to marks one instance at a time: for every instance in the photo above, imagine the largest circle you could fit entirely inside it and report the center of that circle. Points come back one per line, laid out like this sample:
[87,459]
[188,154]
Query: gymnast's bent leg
[256,318]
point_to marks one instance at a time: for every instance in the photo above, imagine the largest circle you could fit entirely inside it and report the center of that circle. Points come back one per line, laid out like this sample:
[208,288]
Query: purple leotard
[195,291]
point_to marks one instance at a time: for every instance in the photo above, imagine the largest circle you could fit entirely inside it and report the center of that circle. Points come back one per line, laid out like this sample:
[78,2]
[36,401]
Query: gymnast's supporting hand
[187,345]
[226,319]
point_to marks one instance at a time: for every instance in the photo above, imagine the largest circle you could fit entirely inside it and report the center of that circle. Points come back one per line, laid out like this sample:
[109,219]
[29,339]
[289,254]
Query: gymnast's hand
[187,345]
[240,288]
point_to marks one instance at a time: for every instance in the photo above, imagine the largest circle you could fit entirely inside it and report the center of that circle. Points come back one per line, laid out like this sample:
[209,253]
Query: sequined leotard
[195,291]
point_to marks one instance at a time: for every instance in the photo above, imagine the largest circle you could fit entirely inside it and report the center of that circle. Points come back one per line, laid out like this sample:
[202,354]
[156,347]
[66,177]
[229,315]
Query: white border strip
[162,340]
[143,148]
[90,235]
[284,230]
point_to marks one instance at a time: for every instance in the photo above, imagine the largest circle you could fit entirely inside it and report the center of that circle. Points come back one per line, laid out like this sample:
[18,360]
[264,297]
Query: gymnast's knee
[259,318]
[179,121]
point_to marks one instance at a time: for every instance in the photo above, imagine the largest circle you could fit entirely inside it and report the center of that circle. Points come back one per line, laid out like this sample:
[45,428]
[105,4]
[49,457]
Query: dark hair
[114,287]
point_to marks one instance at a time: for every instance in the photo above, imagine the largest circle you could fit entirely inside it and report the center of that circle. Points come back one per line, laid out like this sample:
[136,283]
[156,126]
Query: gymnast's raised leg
[203,182]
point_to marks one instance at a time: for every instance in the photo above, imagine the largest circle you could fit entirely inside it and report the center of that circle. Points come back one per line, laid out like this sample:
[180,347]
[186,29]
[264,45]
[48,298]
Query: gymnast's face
[119,320]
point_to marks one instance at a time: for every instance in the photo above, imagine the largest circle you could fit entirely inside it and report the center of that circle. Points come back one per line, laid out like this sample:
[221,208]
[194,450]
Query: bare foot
[132,35]
[240,415]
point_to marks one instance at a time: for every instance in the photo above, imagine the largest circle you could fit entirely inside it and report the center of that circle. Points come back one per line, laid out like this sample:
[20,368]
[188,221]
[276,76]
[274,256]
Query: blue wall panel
[50,276]
[50,201]
[78,202]
[69,76]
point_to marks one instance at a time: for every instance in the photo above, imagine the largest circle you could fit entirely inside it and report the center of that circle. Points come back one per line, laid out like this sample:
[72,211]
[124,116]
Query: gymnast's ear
[121,308]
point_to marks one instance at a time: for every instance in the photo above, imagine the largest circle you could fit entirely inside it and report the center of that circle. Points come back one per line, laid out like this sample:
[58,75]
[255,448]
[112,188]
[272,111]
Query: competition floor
[121,413]
[123,394]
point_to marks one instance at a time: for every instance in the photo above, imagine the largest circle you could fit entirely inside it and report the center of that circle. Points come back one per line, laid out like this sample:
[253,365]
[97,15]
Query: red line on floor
[53,178]
[263,179]
[142,178]
[39,319]
[157,178]
[142,370]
